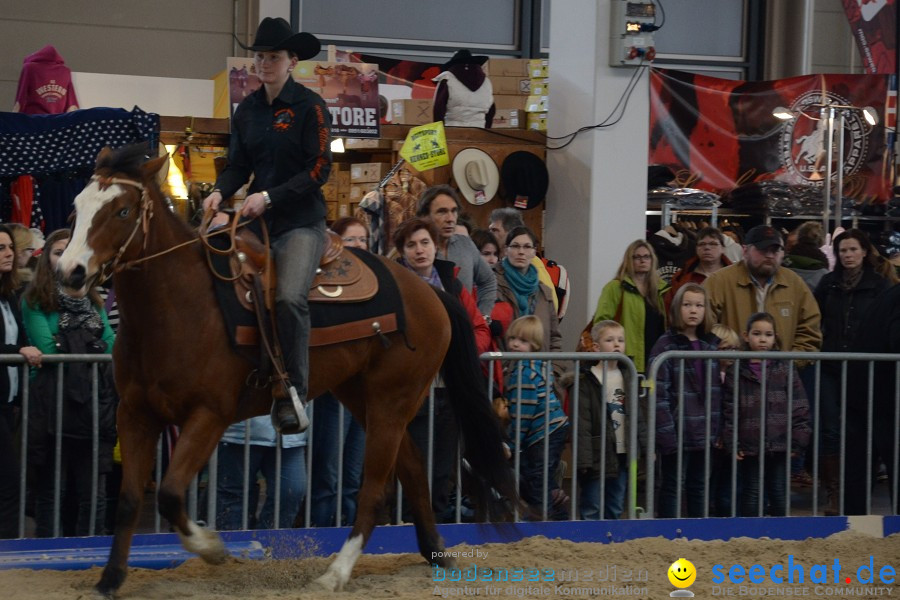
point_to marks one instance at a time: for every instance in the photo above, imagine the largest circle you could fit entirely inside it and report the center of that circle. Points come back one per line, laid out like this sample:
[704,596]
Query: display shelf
[498,144]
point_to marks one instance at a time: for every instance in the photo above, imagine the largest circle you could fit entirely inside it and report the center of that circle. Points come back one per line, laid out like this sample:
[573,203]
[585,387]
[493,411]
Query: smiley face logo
[682,573]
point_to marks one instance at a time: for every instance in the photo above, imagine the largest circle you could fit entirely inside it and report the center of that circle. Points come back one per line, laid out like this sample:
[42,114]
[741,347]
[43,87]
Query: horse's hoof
[215,558]
[214,553]
[98,594]
[206,544]
[109,583]
[329,582]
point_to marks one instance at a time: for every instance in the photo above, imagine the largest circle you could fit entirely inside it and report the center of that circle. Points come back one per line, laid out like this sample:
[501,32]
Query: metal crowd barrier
[202,500]
[576,359]
[710,363]
[59,362]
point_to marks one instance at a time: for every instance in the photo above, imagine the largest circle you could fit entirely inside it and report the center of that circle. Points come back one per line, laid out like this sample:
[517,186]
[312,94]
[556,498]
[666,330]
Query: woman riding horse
[174,365]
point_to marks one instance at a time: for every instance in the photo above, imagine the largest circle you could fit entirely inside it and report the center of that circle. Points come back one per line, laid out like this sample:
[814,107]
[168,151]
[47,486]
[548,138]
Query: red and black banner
[717,134]
[874,27]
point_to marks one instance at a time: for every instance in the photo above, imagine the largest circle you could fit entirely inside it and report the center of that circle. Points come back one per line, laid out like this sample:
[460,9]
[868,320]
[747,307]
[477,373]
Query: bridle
[145,215]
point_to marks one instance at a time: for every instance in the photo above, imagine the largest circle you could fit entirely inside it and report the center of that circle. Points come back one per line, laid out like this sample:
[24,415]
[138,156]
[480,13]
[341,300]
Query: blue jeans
[326,446]
[613,494]
[693,480]
[774,486]
[297,253]
[230,487]
[532,470]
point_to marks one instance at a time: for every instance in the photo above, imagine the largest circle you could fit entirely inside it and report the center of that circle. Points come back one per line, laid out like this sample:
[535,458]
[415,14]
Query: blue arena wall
[163,550]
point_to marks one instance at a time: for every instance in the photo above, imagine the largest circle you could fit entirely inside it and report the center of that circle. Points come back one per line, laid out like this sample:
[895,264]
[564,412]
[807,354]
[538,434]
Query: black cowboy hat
[276,34]
[525,179]
[464,57]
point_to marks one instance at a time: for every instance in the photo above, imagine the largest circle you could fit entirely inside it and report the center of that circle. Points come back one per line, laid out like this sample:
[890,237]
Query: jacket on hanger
[464,97]
[45,85]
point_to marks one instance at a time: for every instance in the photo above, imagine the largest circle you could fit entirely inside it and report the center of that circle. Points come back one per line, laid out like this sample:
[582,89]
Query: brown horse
[174,365]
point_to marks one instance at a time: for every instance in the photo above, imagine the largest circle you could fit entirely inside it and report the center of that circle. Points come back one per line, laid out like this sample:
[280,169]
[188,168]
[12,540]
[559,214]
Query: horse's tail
[492,482]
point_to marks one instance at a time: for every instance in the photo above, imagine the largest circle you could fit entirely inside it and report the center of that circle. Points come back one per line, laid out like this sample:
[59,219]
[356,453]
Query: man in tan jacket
[759,283]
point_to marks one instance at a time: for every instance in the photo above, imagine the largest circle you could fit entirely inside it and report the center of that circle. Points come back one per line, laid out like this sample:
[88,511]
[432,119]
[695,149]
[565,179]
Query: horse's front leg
[138,435]
[198,439]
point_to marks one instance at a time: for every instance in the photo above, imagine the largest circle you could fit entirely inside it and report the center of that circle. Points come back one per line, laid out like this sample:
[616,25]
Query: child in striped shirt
[536,418]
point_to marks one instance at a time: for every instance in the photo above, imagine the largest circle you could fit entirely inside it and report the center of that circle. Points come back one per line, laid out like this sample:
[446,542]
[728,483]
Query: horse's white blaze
[87,204]
[339,572]
[204,543]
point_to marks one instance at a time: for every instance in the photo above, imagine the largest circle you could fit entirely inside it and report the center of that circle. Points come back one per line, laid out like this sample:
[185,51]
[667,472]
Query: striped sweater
[529,386]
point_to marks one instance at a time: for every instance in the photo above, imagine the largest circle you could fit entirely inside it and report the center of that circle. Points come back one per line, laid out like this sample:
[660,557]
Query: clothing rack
[671,210]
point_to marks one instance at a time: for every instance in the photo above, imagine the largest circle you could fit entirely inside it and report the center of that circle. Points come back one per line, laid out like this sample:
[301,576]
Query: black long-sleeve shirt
[286,146]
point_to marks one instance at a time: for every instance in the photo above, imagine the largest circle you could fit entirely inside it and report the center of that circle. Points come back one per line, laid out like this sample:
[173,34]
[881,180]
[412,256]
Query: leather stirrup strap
[271,348]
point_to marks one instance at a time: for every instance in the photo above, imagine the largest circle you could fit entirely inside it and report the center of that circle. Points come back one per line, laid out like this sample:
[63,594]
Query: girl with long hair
[59,322]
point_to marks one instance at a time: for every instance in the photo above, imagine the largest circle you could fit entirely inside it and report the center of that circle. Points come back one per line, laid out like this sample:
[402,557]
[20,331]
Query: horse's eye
[124,212]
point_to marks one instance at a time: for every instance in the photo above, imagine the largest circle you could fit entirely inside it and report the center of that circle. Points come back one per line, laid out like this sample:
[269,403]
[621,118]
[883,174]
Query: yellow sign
[426,147]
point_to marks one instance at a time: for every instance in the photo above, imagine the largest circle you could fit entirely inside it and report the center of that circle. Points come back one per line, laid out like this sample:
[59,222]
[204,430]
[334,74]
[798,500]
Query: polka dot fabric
[43,144]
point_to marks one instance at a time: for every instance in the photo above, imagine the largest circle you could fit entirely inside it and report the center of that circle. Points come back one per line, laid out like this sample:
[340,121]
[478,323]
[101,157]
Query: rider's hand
[254,205]
[212,201]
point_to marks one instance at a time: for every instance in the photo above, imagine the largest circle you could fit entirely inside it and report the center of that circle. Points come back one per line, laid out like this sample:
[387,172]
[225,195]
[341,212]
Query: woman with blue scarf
[518,286]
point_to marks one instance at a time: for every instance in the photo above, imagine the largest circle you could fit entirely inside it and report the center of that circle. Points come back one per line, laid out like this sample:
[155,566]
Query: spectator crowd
[723,431]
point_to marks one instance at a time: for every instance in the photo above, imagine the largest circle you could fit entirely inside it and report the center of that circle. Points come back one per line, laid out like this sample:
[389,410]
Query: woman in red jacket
[415,242]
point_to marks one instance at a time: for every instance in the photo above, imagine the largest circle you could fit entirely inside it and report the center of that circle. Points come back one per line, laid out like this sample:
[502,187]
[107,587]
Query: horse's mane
[127,159]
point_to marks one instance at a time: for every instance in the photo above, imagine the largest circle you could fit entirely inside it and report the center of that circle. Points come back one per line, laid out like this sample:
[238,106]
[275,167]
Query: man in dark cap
[280,134]
[759,283]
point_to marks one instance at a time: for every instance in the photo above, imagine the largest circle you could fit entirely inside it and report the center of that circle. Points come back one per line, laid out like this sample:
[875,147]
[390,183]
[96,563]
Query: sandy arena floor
[406,576]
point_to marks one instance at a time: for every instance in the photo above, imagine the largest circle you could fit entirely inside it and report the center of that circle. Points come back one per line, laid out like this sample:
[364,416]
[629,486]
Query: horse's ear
[152,166]
[104,152]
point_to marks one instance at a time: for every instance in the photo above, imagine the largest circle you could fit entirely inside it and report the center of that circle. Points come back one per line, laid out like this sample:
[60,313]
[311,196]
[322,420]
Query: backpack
[560,278]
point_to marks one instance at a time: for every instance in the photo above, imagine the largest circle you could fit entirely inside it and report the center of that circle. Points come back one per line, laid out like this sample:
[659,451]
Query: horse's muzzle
[76,278]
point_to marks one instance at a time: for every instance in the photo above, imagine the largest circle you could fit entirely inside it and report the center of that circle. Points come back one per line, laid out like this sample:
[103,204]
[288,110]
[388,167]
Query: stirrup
[299,409]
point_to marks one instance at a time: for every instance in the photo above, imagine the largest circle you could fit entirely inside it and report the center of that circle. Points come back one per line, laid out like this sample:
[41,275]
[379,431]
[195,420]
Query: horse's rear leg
[383,435]
[198,439]
[137,437]
[414,477]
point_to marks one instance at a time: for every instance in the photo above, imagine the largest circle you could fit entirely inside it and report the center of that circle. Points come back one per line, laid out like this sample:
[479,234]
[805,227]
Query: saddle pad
[338,322]
[335,322]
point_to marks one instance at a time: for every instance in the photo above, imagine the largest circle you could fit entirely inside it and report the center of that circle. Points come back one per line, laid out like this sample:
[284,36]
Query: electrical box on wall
[632,24]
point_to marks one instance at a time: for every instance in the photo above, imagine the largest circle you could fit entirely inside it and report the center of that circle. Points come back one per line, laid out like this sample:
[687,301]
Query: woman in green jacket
[58,323]
[634,298]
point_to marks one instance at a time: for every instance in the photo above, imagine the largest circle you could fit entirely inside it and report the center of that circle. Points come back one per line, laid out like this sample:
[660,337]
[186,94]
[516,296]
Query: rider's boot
[288,410]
